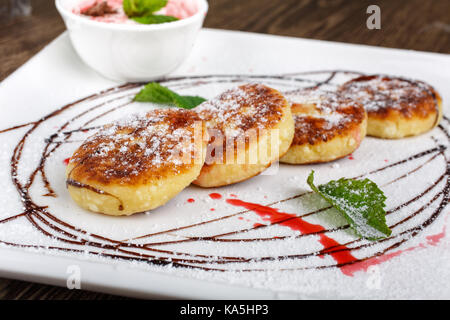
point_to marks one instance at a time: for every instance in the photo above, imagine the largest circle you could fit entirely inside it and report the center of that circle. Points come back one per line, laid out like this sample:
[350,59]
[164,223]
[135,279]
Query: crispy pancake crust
[396,107]
[138,164]
[328,126]
[250,127]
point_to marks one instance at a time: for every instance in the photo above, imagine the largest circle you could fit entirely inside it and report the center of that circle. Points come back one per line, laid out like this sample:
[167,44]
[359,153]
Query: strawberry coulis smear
[215,196]
[66,161]
[191,200]
[364,265]
[258,225]
[349,264]
[341,254]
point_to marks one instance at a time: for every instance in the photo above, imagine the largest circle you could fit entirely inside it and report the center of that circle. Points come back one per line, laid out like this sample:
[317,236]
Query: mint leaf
[188,102]
[154,19]
[360,201]
[140,8]
[142,11]
[156,93]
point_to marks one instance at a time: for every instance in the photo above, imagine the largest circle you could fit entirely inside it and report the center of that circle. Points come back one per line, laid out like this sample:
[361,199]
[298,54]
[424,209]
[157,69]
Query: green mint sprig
[142,11]
[154,19]
[156,93]
[361,203]
[139,8]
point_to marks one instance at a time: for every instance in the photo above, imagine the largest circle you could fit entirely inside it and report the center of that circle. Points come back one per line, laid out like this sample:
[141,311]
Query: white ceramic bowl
[131,52]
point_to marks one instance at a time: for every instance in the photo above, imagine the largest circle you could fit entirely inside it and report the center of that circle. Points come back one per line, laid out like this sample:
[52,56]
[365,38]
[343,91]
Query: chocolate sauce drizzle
[81,241]
[77,184]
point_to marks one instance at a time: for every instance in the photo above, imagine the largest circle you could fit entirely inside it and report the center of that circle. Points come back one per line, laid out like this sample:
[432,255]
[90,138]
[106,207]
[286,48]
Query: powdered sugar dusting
[251,106]
[161,140]
[379,93]
[319,114]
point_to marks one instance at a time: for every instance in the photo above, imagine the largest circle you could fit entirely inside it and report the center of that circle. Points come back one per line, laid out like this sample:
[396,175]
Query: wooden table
[407,24]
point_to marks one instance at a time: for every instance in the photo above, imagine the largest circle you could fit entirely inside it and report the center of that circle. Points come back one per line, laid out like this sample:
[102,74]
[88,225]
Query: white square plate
[200,247]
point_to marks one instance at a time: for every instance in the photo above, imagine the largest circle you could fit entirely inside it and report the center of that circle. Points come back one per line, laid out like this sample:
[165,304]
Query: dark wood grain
[406,24]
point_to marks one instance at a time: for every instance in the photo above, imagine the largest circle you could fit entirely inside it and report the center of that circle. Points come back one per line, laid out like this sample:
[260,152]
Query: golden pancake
[139,163]
[396,107]
[328,126]
[249,127]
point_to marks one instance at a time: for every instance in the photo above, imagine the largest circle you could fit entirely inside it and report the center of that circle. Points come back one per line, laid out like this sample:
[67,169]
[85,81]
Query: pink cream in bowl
[125,50]
[111,11]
